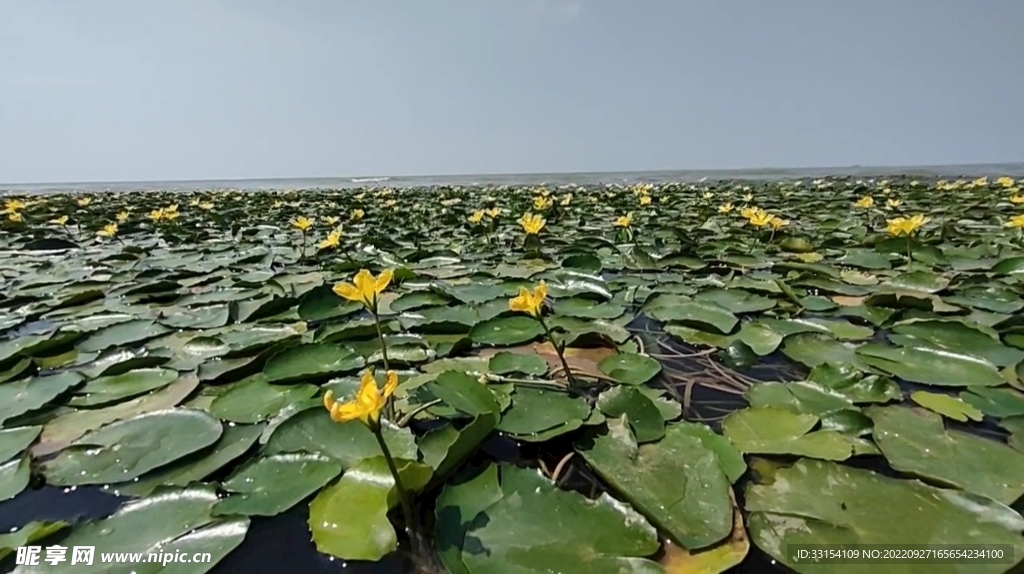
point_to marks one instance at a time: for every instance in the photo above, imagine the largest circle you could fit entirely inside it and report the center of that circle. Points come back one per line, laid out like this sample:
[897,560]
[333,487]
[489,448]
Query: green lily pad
[32,532]
[254,400]
[505,331]
[126,449]
[999,402]
[312,431]
[630,368]
[269,485]
[930,366]
[677,483]
[508,519]
[15,440]
[947,406]
[22,396]
[958,338]
[856,507]
[914,441]
[14,476]
[311,361]
[349,520]
[638,410]
[536,410]
[771,430]
[505,362]
[113,388]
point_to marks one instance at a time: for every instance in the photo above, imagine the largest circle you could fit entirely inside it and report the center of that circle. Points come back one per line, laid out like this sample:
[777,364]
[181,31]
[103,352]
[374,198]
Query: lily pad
[270,485]
[630,368]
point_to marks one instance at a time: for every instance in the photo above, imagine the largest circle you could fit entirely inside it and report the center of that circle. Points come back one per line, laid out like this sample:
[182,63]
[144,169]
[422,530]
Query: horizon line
[519,174]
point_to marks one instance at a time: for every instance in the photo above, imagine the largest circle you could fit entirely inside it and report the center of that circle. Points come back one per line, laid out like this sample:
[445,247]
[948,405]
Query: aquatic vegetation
[686,374]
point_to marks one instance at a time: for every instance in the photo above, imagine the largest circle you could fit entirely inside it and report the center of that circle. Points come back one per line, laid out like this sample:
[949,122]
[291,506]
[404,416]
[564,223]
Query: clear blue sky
[103,90]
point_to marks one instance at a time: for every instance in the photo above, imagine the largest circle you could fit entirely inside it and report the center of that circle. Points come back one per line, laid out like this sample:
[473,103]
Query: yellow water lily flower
[865,202]
[760,218]
[302,223]
[777,222]
[905,226]
[277,204]
[109,230]
[541,202]
[747,212]
[390,203]
[62,220]
[1005,181]
[891,203]
[624,220]
[643,188]
[476,217]
[171,212]
[368,402]
[15,216]
[84,201]
[156,215]
[645,200]
[725,208]
[12,205]
[493,213]
[365,288]
[748,197]
[566,200]
[205,206]
[1017,221]
[122,217]
[707,195]
[194,202]
[530,302]
[331,220]
[532,223]
[1017,199]
[332,241]
[358,214]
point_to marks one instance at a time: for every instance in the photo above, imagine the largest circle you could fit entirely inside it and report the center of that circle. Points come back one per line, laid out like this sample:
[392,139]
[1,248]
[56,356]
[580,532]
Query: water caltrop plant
[692,376]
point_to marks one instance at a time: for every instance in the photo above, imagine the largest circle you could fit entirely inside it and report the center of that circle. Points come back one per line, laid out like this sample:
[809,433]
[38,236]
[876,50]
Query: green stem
[389,409]
[403,496]
[302,255]
[559,350]
[910,255]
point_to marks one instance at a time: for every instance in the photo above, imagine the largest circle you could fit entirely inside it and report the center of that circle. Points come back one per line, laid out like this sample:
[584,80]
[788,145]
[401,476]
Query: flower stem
[389,409]
[910,256]
[559,350]
[403,496]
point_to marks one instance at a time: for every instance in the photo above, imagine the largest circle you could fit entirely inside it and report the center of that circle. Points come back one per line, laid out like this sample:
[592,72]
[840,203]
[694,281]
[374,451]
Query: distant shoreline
[551,179]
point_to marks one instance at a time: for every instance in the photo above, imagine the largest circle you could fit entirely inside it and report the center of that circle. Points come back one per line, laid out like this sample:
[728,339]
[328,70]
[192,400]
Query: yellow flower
[1005,181]
[477,217]
[541,202]
[84,201]
[642,188]
[368,402]
[13,205]
[205,206]
[358,214]
[277,204]
[122,217]
[390,203]
[624,220]
[760,218]
[62,220]
[527,302]
[566,200]
[365,288]
[171,212]
[777,223]
[109,230]
[748,197]
[156,214]
[707,195]
[331,220]
[333,240]
[302,223]
[1017,221]
[532,224]
[748,211]
[891,203]
[905,226]
[493,212]
[865,202]
[1018,199]
[725,208]
[194,202]
[645,200]
[15,216]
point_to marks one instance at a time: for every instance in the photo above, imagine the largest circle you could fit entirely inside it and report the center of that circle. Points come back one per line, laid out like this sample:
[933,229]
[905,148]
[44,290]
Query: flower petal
[348,291]
[383,280]
[391,384]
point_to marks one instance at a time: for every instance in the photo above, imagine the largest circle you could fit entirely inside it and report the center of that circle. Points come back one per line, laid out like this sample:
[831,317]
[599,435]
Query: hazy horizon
[194,90]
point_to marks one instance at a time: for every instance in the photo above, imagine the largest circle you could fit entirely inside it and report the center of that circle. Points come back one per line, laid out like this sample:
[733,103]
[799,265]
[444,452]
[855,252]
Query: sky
[123,90]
